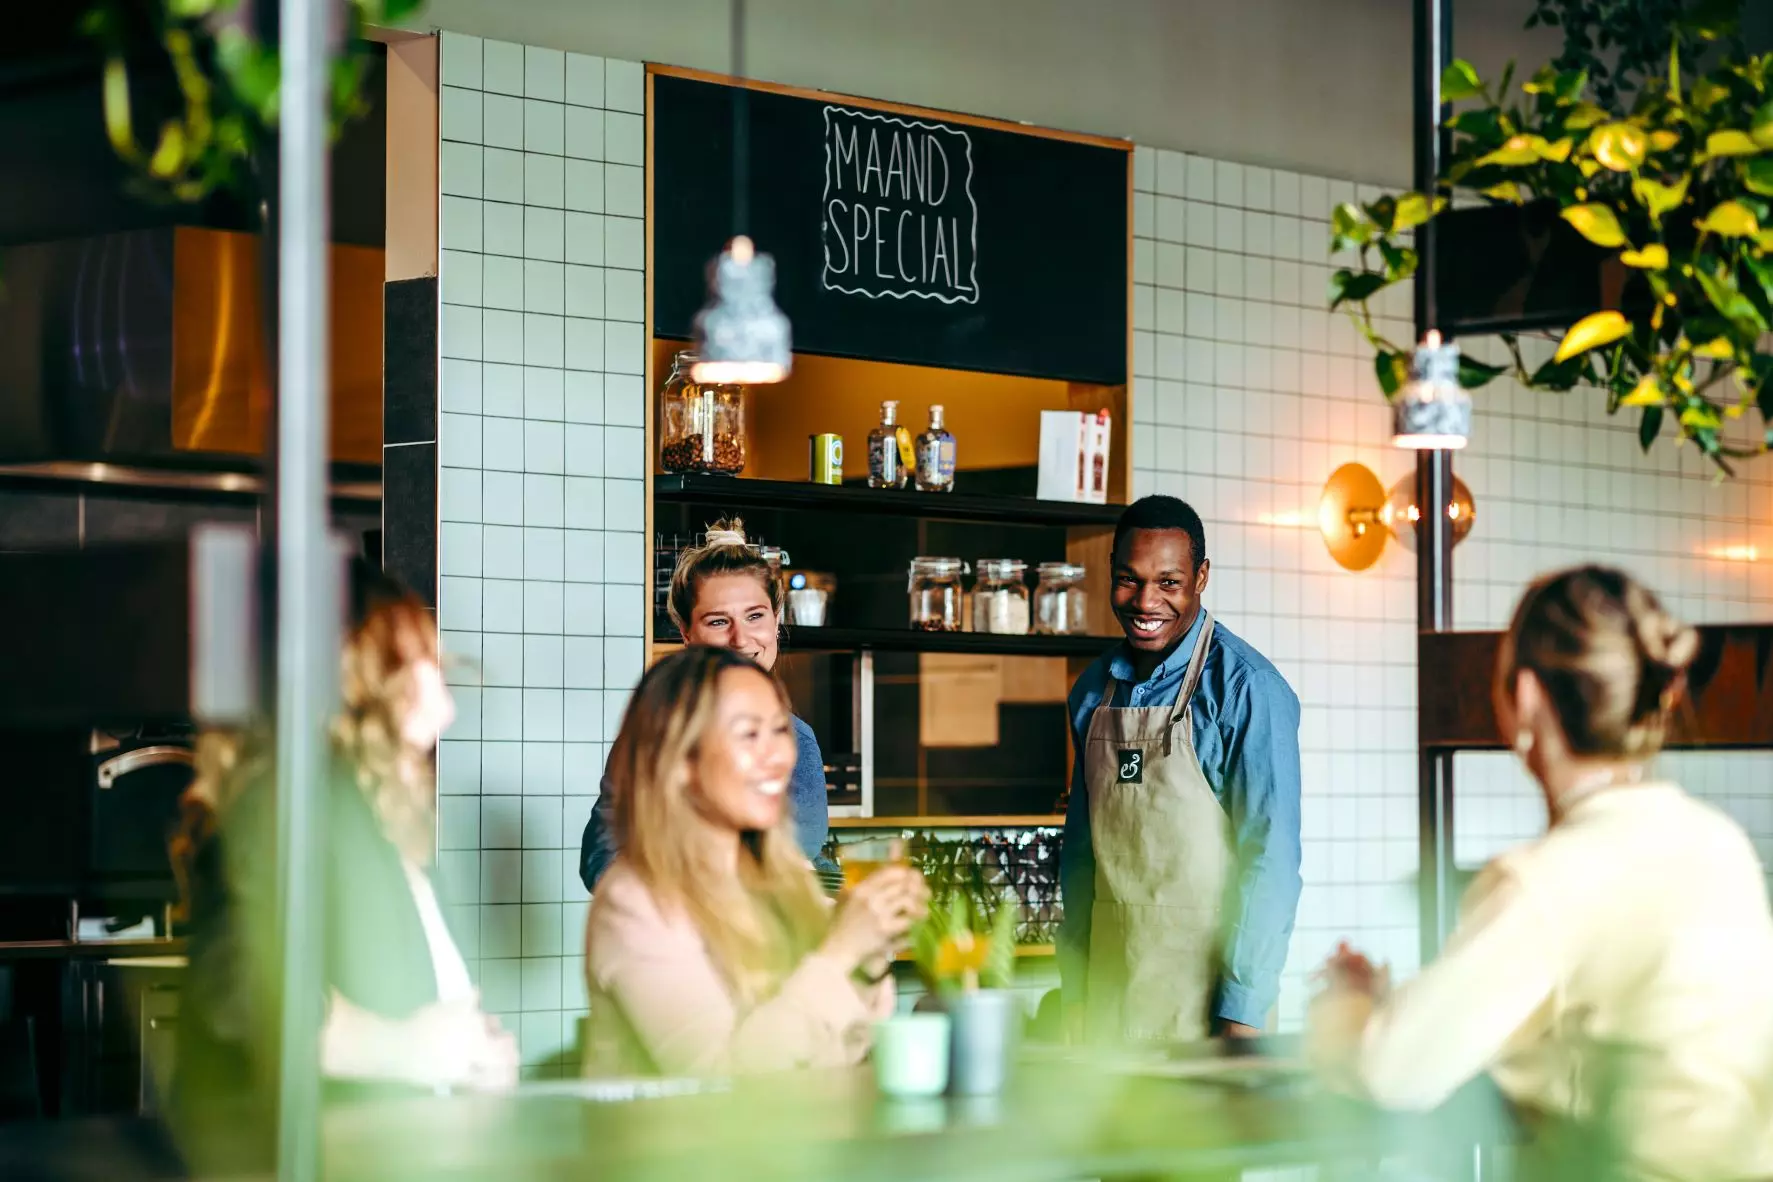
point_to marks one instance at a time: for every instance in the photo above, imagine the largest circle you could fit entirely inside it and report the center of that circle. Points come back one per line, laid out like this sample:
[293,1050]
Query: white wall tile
[584,80]
[584,502]
[585,290]
[625,400]
[503,282]
[624,86]
[624,139]
[544,73]
[503,119]
[504,228]
[584,238]
[504,175]
[584,133]
[460,169]
[625,295]
[461,60]
[543,450]
[543,395]
[544,178]
[502,67]
[544,234]
[544,287]
[543,340]
[584,186]
[584,397]
[459,114]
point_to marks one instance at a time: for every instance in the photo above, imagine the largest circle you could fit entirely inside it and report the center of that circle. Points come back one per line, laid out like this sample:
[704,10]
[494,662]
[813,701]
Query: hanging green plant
[1672,179]
[228,83]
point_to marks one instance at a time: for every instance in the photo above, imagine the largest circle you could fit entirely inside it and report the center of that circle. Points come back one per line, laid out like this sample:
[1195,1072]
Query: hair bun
[727,533]
[1667,642]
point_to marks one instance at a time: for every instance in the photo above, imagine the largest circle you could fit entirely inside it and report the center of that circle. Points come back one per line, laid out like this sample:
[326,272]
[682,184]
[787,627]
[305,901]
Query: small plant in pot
[966,953]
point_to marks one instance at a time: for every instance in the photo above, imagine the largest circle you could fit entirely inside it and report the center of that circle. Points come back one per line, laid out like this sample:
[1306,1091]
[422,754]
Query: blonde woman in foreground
[1624,960]
[710,948]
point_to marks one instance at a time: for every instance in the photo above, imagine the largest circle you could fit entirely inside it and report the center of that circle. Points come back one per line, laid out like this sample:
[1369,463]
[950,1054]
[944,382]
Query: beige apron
[1163,859]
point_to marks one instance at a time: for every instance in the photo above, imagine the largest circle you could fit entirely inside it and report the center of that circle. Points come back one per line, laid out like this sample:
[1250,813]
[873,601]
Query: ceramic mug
[911,1055]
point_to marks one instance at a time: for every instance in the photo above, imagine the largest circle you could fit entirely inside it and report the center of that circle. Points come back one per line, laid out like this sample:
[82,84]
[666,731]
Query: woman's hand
[874,915]
[1349,971]
[467,1047]
[445,1044]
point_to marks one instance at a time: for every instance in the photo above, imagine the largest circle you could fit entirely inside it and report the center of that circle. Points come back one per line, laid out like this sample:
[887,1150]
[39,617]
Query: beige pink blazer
[659,1004]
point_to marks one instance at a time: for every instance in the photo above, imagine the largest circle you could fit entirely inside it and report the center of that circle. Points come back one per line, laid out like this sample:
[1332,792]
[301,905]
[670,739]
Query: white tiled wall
[1248,394]
[541,550]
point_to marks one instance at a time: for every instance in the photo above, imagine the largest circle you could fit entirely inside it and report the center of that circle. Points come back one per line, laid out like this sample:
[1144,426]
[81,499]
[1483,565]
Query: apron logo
[1132,767]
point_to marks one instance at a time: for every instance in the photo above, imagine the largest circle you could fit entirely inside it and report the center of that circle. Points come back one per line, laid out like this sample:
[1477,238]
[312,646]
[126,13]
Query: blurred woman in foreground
[1621,966]
[401,1008]
[710,948]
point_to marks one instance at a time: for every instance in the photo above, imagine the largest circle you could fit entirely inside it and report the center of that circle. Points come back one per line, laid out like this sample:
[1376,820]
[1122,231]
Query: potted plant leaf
[966,953]
[1639,163]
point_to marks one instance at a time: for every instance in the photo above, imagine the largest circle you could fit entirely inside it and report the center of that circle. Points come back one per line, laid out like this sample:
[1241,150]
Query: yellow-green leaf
[1662,141]
[1597,223]
[1757,176]
[1412,210]
[1507,191]
[1459,81]
[1645,393]
[1732,219]
[1718,350]
[1764,240]
[1659,198]
[1701,417]
[1730,143]
[1557,152]
[1761,131]
[1583,116]
[1517,150]
[1620,147]
[1653,257]
[117,125]
[170,152]
[1591,332]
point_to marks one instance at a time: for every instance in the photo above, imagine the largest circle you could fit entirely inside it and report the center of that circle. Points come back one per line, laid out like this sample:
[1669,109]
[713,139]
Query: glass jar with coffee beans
[701,427]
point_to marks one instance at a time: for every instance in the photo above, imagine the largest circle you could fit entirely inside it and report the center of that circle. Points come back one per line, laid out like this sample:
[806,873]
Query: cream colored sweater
[1640,920]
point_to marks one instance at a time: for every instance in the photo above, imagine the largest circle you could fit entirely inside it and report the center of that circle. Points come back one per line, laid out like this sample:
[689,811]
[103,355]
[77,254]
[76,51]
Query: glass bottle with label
[935,456]
[888,448]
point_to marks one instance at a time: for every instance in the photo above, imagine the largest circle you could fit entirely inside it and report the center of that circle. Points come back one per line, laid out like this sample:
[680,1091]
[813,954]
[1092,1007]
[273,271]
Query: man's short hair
[1164,512]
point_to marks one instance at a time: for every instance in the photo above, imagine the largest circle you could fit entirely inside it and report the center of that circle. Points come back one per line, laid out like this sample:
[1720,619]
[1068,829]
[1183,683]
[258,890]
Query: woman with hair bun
[724,594]
[1621,965]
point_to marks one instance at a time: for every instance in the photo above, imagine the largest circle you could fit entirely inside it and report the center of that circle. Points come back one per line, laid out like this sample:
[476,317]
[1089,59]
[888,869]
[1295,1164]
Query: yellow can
[825,459]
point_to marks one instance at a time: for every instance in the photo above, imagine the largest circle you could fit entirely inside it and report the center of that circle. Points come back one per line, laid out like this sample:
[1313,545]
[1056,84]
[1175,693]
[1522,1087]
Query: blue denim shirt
[1246,735]
[812,814]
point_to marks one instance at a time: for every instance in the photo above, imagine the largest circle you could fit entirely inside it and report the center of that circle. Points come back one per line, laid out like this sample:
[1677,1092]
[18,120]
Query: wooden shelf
[1025,821]
[731,492]
[910,640]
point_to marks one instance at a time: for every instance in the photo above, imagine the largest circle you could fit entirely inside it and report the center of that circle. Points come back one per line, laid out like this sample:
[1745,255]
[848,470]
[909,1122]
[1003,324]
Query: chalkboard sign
[899,238]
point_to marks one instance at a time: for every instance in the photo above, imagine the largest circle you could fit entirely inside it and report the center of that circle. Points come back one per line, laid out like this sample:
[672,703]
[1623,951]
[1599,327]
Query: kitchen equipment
[1000,597]
[1060,602]
[807,606]
[935,589]
[701,427]
[825,459]
[935,455]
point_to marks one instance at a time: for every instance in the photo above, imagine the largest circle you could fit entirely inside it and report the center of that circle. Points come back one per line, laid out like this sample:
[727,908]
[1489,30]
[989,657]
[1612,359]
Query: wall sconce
[1356,513]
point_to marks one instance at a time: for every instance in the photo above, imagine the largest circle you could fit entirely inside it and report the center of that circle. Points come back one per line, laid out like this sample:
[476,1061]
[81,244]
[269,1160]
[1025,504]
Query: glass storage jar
[701,427]
[1060,603]
[1000,597]
[936,594]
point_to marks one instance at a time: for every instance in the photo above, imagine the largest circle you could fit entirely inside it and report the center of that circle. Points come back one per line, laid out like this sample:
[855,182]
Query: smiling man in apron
[1180,869]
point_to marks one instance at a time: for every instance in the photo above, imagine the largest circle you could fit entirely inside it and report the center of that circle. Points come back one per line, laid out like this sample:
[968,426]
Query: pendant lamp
[1433,411]
[741,336]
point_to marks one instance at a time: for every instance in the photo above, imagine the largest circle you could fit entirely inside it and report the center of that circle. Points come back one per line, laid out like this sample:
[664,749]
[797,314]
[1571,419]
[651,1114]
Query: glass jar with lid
[1000,597]
[1060,602]
[936,594]
[701,426]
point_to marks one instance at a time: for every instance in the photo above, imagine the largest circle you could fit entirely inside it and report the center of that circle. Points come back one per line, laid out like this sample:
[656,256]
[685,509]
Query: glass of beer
[861,858]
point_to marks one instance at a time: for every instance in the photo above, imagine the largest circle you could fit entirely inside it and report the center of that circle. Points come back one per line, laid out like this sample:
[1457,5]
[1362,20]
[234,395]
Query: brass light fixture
[1356,513]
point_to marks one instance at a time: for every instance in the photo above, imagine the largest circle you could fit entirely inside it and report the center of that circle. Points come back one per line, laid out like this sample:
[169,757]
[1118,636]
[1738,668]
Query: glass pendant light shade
[1432,411]
[741,337]
[1400,514]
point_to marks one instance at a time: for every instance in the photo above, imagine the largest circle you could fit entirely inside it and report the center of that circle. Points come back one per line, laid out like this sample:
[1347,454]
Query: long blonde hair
[389,636]
[759,925]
